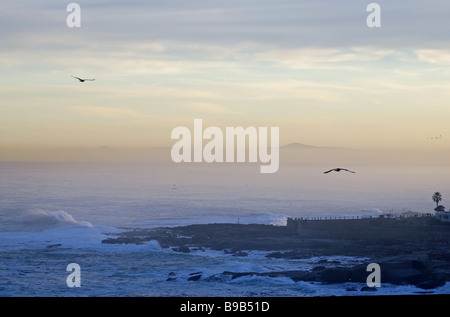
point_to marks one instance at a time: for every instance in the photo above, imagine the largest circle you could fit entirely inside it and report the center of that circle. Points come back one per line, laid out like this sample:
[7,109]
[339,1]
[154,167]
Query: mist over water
[125,194]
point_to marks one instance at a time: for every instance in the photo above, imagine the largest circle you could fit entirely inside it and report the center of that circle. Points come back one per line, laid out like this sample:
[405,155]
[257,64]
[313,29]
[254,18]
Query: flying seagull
[83,80]
[338,170]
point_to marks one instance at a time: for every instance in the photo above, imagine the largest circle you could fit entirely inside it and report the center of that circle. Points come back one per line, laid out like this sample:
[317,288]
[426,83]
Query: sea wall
[370,228]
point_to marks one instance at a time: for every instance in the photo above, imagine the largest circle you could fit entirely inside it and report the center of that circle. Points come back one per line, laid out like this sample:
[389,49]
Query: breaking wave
[39,219]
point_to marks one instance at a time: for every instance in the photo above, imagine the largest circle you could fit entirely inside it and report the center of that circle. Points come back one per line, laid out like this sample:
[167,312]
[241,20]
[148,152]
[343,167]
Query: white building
[443,216]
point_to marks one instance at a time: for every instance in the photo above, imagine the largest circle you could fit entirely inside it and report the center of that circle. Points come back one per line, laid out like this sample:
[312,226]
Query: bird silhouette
[338,170]
[83,80]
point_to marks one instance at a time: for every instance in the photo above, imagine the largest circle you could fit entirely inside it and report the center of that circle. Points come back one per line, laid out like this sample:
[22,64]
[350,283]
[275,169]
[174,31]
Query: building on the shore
[443,216]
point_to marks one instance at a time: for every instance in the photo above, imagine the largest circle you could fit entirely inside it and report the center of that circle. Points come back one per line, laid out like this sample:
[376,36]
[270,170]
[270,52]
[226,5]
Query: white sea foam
[373,211]
[39,219]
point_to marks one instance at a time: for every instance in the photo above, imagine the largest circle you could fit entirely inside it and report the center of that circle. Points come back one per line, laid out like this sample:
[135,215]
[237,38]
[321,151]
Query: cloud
[217,24]
[434,56]
[405,74]
[105,112]
[324,57]
[208,107]
[297,90]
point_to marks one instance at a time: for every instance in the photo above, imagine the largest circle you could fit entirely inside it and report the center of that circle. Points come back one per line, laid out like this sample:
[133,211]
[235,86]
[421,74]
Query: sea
[53,214]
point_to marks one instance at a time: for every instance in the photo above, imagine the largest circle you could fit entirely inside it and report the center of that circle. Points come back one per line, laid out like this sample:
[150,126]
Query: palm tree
[437,197]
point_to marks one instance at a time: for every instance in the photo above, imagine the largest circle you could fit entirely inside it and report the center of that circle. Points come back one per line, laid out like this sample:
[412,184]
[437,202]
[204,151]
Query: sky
[312,68]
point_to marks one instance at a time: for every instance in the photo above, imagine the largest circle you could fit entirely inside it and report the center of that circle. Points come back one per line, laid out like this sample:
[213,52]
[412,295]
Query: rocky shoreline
[424,263]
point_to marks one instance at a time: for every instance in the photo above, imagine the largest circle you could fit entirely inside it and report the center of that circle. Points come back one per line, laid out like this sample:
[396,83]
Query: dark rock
[126,240]
[295,275]
[402,276]
[431,281]
[240,253]
[359,273]
[54,245]
[420,262]
[182,249]
[351,289]
[288,255]
[297,255]
[195,273]
[238,274]
[313,276]
[219,277]
[319,268]
[276,255]
[169,279]
[410,269]
[336,275]
[368,289]
[195,277]
[405,269]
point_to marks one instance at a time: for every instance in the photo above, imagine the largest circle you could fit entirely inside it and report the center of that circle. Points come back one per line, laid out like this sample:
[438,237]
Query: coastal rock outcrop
[336,275]
[424,263]
[413,269]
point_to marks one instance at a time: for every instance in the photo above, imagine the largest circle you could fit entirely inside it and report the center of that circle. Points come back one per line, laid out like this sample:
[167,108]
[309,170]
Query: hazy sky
[312,68]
